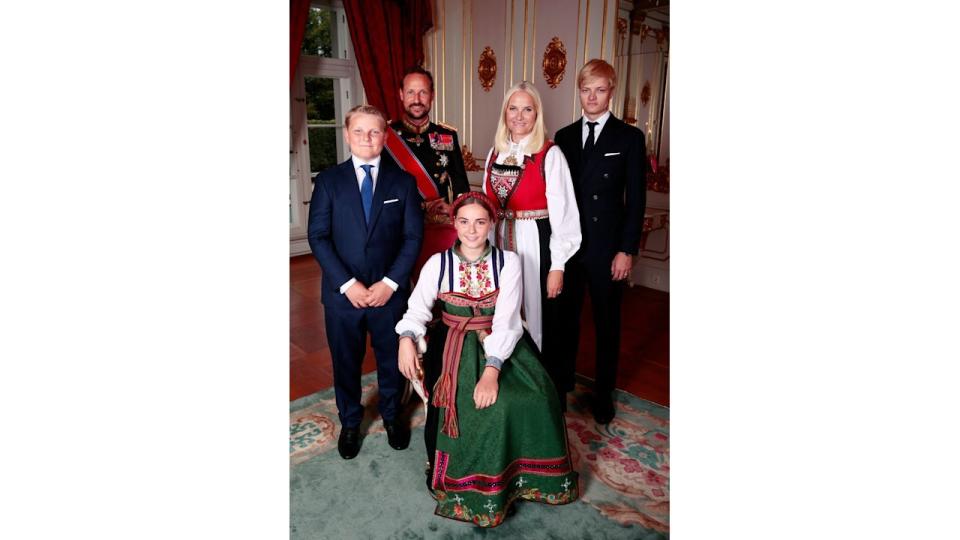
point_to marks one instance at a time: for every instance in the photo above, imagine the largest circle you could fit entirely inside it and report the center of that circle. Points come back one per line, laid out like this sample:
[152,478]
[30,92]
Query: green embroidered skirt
[514,449]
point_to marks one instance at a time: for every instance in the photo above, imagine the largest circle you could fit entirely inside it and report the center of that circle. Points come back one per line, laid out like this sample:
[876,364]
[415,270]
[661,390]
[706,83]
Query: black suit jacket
[346,247]
[611,188]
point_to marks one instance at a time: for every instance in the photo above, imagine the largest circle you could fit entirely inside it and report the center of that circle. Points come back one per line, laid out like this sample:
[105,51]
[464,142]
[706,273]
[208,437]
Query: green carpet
[380,494]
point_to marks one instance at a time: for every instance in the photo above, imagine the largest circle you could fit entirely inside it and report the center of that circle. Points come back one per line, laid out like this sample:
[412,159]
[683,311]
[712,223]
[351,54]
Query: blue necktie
[366,191]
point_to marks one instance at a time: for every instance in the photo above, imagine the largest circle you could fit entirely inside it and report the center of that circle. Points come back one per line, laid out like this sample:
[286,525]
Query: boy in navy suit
[365,229]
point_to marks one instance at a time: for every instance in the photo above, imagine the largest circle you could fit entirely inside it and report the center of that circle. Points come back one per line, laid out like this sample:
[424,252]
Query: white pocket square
[391,201]
[611,154]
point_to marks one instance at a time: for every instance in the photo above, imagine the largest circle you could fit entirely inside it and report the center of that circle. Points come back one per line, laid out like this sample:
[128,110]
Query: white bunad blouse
[565,234]
[475,280]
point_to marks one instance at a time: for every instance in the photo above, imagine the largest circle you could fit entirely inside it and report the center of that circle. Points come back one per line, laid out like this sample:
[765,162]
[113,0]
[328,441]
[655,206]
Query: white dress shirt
[361,174]
[374,172]
[596,129]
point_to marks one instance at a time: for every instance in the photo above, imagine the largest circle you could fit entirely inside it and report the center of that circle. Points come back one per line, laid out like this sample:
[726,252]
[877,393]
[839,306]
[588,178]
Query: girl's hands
[407,359]
[485,393]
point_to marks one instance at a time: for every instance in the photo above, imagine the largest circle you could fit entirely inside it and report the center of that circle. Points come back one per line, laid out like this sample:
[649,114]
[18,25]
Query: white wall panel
[490,29]
[558,19]
[518,31]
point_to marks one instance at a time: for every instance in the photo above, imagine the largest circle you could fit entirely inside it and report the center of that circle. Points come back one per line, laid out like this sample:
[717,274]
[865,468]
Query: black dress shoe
[397,435]
[603,410]
[349,443]
[430,480]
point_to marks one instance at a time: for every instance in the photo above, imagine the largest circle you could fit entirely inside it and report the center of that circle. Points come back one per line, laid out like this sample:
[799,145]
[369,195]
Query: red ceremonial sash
[404,157]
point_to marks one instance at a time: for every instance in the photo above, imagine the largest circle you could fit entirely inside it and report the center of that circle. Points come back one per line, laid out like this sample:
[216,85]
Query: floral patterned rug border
[624,466]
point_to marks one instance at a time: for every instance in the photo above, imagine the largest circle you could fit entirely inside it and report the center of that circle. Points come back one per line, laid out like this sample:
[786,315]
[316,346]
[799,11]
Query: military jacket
[437,148]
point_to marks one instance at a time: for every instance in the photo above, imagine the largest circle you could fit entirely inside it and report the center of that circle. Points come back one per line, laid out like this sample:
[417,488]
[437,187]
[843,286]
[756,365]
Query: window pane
[323,147]
[320,101]
[320,38]
[322,127]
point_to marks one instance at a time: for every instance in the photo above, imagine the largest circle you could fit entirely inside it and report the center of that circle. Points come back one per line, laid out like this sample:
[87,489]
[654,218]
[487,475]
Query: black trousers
[347,337]
[606,298]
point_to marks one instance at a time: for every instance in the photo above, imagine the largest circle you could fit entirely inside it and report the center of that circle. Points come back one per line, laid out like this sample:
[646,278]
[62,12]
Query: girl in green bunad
[495,432]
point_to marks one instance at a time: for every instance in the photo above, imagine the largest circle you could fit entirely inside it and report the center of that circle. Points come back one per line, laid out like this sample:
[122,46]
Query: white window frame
[348,91]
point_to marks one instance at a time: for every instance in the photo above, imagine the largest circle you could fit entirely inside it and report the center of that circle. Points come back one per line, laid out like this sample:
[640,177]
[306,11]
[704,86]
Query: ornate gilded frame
[487,68]
[554,62]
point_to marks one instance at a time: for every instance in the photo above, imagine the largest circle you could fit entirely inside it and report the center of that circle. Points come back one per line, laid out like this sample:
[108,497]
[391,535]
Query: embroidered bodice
[489,285]
[519,187]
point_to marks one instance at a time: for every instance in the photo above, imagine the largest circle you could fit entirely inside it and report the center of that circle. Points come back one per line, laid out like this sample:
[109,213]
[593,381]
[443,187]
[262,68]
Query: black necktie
[588,147]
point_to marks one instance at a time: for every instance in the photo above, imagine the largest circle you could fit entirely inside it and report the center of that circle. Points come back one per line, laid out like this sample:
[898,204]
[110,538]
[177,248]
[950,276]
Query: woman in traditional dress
[499,432]
[528,177]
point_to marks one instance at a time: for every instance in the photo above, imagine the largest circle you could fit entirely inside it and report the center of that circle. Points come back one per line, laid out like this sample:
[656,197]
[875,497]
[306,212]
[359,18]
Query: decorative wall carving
[554,62]
[662,35]
[621,35]
[658,177]
[469,162]
[487,68]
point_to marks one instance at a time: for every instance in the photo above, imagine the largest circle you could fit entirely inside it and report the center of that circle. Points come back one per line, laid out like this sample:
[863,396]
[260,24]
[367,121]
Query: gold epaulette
[447,126]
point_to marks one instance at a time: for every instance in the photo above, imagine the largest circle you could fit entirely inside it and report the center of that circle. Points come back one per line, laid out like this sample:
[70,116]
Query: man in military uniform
[431,153]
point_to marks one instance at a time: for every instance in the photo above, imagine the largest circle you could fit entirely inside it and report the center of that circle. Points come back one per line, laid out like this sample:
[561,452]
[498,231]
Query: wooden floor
[644,368]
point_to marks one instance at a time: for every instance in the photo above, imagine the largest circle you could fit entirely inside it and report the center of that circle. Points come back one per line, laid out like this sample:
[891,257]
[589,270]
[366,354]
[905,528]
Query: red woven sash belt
[445,392]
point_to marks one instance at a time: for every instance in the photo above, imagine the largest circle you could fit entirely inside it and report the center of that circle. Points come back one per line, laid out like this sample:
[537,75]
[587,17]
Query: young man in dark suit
[365,230]
[607,160]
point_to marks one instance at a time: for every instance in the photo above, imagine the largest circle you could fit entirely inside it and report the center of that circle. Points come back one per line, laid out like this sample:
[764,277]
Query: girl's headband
[473,197]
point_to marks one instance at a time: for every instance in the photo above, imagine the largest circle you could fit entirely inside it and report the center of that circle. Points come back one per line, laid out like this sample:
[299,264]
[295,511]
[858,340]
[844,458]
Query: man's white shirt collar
[585,129]
[600,121]
[360,174]
[357,162]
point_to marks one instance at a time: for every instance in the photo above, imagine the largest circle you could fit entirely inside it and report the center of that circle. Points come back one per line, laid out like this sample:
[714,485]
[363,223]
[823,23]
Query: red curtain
[299,14]
[387,38]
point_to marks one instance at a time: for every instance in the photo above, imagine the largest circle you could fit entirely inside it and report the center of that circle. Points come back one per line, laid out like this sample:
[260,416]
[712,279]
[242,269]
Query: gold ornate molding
[658,178]
[621,35]
[554,62]
[661,35]
[487,68]
[469,162]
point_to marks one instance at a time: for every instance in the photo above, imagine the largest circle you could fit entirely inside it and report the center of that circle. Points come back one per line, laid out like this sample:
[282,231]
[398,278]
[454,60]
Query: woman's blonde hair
[502,139]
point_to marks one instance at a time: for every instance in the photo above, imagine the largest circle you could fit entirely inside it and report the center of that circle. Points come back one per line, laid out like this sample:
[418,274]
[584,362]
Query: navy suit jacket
[347,248]
[611,188]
